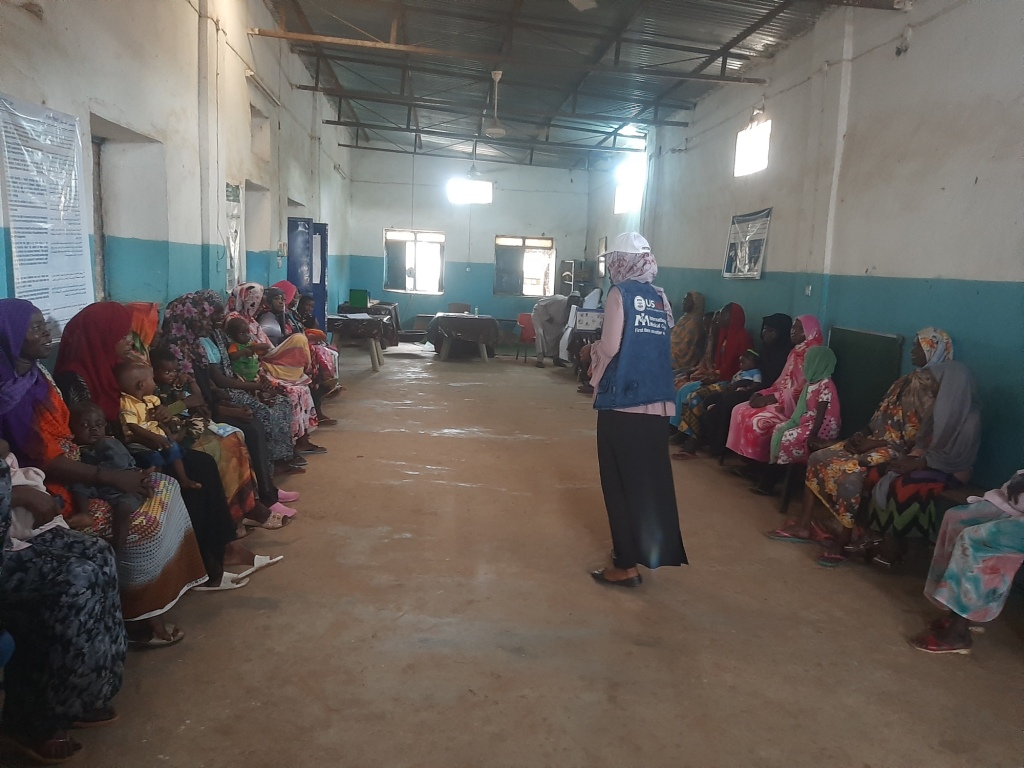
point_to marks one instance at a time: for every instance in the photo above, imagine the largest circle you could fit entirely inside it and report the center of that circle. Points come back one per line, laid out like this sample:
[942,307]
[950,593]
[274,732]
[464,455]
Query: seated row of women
[99,543]
[881,485]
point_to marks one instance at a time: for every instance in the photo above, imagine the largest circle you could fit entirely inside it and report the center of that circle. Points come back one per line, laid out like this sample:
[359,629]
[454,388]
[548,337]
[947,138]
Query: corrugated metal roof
[560,84]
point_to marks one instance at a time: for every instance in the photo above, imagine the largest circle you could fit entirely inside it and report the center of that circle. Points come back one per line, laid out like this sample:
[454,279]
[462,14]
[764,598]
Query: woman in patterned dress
[815,422]
[285,365]
[840,476]
[58,599]
[979,550]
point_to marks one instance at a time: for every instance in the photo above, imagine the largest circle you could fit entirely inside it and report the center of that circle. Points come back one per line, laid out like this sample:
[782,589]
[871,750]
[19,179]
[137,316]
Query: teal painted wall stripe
[7,274]
[981,316]
[136,269]
[261,267]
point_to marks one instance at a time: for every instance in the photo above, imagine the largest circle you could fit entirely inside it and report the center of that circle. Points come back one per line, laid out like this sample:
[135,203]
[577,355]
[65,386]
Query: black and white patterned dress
[59,600]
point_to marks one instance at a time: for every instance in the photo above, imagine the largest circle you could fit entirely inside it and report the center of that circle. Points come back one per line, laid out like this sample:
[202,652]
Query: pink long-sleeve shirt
[608,347]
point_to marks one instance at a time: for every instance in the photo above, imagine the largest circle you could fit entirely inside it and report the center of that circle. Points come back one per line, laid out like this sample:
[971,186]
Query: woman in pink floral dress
[752,424]
[815,422]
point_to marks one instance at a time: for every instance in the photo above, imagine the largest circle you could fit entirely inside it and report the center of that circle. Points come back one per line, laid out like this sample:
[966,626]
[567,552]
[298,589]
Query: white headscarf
[630,258]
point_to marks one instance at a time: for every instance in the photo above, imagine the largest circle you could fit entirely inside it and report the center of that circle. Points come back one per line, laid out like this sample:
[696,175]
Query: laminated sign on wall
[748,241]
[43,208]
[235,272]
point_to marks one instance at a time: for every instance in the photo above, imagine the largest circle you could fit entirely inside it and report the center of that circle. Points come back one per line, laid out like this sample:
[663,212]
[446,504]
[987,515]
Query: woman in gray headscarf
[903,501]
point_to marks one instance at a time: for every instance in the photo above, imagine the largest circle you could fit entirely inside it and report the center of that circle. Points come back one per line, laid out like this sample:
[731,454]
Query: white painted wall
[604,222]
[394,191]
[914,166]
[175,71]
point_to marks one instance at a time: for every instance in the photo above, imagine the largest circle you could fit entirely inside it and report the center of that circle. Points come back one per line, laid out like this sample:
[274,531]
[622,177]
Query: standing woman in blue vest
[631,371]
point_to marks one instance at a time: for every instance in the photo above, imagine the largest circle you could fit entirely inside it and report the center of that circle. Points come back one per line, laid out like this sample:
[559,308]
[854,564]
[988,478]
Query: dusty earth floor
[434,609]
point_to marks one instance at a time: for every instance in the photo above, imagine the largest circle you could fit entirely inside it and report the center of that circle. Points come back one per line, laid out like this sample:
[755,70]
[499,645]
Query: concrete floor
[434,609]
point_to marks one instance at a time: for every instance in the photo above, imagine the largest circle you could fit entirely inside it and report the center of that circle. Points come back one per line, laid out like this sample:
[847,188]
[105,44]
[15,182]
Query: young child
[89,428]
[748,377]
[137,401]
[244,355]
[173,386]
[44,514]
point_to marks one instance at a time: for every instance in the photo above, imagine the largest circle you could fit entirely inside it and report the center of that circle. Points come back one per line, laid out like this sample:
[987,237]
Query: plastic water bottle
[476,311]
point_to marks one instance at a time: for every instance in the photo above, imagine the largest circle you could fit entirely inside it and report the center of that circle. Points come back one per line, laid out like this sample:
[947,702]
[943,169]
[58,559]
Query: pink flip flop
[780,534]
[287,497]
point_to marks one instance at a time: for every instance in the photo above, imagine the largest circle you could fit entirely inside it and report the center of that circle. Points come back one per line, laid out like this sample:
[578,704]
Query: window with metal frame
[524,266]
[413,261]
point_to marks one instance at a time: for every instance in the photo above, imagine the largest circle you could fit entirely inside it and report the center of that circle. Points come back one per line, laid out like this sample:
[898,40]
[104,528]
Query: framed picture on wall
[747,246]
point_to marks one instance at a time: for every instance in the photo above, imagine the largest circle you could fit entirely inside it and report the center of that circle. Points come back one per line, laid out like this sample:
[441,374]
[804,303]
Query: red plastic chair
[527,334]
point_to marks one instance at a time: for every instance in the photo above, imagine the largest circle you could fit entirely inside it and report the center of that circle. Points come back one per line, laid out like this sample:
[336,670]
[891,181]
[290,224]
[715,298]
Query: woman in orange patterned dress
[839,477]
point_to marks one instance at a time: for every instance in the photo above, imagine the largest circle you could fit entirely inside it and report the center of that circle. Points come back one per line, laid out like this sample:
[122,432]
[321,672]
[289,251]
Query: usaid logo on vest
[641,305]
[645,323]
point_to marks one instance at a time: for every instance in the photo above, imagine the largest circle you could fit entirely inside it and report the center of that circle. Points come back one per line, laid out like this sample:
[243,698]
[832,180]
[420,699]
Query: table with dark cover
[387,310]
[462,335]
[373,329]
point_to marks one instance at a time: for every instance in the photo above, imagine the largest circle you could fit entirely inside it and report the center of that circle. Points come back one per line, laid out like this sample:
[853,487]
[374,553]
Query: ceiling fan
[584,5]
[475,174]
[493,128]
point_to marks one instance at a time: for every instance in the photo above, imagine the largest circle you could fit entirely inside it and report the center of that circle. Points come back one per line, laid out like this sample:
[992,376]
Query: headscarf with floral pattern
[186,321]
[937,346]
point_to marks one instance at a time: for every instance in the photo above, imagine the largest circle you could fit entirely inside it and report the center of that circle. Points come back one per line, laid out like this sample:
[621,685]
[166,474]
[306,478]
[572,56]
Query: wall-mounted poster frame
[747,246]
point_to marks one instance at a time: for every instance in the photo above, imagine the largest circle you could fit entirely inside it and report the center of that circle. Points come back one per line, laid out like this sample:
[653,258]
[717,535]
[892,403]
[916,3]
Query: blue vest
[641,373]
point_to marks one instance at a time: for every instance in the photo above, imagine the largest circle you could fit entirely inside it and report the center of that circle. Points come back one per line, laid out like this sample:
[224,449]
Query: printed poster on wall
[235,272]
[42,205]
[748,242]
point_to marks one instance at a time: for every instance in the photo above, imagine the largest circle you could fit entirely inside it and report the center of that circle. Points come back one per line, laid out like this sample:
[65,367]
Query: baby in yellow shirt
[137,403]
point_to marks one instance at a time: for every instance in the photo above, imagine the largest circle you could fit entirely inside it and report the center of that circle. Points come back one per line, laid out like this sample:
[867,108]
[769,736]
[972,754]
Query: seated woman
[815,422]
[721,361]
[59,601]
[688,337]
[979,550]
[752,424]
[162,560]
[93,344]
[903,501]
[189,325]
[285,364]
[280,320]
[718,407]
[840,476]
[145,329]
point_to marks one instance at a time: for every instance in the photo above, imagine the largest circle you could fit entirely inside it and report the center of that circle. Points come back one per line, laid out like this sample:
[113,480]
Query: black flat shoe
[632,581]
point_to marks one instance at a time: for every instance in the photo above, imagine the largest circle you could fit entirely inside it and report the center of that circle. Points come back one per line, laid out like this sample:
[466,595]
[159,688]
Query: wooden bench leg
[446,347]
[374,362]
[378,351]
[483,353]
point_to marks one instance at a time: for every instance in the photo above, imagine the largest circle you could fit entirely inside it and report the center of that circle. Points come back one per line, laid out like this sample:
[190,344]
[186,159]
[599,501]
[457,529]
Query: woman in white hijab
[631,371]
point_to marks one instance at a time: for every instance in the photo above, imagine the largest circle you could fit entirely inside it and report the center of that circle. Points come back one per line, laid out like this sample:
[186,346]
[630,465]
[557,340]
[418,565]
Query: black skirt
[639,491]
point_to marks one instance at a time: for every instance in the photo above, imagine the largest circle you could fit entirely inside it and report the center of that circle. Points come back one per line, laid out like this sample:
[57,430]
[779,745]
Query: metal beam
[609,42]
[536,24]
[652,72]
[882,5]
[452,107]
[506,142]
[295,10]
[721,52]
[472,76]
